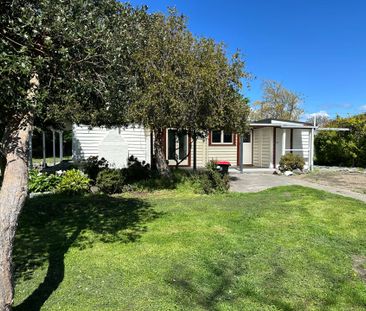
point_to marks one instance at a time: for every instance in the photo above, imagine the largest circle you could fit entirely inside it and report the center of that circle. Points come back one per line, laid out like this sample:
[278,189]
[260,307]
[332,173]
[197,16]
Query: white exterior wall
[223,153]
[263,147]
[86,142]
[201,152]
[301,140]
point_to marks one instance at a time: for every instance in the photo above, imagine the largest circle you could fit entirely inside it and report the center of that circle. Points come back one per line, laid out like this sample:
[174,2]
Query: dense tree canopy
[186,83]
[277,103]
[81,52]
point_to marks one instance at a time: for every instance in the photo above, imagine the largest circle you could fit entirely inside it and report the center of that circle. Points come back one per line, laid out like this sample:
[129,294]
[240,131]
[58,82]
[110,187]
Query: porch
[268,140]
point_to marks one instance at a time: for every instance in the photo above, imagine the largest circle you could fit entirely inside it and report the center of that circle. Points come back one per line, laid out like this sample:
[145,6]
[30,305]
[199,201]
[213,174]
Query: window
[246,137]
[228,137]
[171,144]
[177,145]
[216,137]
[222,137]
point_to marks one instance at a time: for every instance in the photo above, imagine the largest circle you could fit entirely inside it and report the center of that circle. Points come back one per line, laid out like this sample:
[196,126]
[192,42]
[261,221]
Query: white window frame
[222,139]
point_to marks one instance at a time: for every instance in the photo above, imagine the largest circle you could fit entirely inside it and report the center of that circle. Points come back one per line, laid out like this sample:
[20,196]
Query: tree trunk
[12,197]
[160,159]
[2,167]
[194,150]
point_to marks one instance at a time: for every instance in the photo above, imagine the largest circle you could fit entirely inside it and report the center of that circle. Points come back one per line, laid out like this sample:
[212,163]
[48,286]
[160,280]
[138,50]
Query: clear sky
[314,47]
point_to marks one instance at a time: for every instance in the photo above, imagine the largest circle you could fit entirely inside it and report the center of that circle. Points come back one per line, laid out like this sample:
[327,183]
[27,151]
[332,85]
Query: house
[262,146]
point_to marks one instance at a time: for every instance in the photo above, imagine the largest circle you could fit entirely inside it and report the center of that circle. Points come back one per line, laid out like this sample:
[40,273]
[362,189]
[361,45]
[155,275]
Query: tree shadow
[224,276]
[50,225]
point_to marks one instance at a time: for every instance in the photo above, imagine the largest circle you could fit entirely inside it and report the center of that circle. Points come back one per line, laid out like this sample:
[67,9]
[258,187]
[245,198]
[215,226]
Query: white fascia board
[298,127]
[287,126]
[336,129]
[262,124]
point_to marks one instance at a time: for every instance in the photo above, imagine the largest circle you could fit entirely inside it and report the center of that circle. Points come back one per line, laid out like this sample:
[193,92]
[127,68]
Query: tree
[321,118]
[60,61]
[277,103]
[162,71]
[342,148]
[187,84]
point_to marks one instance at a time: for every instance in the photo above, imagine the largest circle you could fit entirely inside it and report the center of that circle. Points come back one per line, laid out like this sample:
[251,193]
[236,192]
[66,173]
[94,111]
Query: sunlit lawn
[288,248]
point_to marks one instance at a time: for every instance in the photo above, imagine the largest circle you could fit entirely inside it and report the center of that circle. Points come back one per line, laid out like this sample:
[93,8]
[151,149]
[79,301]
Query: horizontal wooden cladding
[86,141]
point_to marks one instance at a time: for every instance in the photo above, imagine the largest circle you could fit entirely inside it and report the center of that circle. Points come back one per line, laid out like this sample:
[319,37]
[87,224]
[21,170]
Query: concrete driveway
[255,182]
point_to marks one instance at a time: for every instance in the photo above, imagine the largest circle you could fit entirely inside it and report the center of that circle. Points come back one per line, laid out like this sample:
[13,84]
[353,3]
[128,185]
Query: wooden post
[283,142]
[311,160]
[194,151]
[61,146]
[54,147]
[30,154]
[241,153]
[44,149]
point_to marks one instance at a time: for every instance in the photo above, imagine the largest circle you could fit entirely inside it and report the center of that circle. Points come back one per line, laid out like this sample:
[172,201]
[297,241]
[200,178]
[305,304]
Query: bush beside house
[137,176]
[291,162]
[342,148]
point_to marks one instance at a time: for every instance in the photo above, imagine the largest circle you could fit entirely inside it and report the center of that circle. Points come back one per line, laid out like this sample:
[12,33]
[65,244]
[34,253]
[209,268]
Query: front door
[247,148]
[177,147]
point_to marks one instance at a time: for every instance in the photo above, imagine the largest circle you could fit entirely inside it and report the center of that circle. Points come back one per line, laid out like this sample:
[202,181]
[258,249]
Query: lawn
[288,248]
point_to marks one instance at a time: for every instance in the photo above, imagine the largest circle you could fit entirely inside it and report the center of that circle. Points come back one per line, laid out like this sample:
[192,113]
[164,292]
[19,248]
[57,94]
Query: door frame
[186,162]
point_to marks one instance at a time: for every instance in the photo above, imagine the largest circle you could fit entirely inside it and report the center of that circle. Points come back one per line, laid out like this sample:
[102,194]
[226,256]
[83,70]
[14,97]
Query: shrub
[93,165]
[42,182]
[291,161]
[136,170]
[343,148]
[110,181]
[73,182]
[211,180]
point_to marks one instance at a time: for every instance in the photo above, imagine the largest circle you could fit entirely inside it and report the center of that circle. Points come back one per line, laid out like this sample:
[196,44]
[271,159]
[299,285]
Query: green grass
[287,248]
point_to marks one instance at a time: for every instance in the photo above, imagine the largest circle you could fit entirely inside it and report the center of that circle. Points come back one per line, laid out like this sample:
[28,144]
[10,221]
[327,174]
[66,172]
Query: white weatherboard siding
[301,140]
[263,147]
[201,152]
[223,153]
[90,142]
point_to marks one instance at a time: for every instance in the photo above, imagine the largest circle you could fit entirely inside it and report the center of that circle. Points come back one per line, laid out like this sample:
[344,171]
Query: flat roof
[279,121]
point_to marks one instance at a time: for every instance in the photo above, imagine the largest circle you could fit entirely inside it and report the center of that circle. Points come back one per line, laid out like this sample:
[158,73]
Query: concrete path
[255,182]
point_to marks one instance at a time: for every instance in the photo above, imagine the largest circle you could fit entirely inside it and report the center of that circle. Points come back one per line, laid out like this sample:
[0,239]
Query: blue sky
[314,47]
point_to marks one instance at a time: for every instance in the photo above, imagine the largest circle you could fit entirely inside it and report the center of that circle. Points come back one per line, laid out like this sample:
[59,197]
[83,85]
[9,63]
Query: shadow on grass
[50,225]
[223,277]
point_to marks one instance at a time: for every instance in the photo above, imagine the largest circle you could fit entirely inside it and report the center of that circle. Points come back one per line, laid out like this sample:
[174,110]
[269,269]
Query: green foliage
[73,182]
[136,170]
[186,83]
[42,182]
[291,161]
[210,181]
[277,103]
[211,165]
[343,148]
[110,181]
[92,166]
[85,68]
